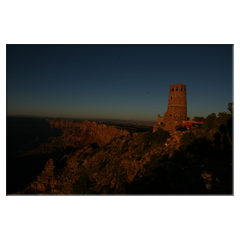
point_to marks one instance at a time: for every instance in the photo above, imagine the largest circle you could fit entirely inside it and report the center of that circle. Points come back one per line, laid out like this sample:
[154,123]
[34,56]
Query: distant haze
[116,81]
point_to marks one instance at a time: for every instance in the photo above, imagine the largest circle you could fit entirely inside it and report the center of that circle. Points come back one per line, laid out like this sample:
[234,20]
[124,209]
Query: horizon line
[113,119]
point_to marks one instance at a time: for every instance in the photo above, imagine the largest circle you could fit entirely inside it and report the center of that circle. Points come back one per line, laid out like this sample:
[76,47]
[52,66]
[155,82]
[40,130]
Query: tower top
[177,87]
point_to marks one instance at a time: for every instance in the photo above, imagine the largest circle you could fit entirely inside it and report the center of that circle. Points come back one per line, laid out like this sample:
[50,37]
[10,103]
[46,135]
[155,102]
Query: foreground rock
[148,163]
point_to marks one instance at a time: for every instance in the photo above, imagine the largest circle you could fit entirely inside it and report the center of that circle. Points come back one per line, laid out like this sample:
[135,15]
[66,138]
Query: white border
[160,22]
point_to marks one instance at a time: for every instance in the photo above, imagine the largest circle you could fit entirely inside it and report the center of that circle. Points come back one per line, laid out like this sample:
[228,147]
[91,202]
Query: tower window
[172,89]
[171,97]
[170,115]
[176,106]
[176,89]
[176,115]
[181,89]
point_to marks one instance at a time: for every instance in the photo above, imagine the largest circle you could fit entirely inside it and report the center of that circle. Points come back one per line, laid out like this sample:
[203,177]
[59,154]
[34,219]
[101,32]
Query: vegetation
[216,139]
[159,137]
[199,119]
[230,107]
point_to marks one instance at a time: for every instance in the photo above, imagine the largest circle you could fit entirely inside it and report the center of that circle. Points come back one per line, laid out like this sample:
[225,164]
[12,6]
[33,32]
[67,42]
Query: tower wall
[177,105]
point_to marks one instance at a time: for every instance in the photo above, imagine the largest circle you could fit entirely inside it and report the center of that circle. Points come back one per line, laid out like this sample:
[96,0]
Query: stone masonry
[177,105]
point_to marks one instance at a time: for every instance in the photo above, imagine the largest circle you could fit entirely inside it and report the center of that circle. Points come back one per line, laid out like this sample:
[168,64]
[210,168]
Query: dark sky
[128,82]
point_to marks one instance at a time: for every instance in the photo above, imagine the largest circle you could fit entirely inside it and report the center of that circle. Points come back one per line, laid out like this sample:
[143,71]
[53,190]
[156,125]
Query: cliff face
[150,163]
[81,134]
[106,160]
[106,170]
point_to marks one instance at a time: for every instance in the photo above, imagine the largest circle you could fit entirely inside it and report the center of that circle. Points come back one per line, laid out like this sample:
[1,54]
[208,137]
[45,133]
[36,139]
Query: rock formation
[148,163]
[135,165]
[79,134]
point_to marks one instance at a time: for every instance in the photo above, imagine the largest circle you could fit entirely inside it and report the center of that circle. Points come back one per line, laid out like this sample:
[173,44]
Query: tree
[230,107]
[222,119]
[198,119]
[209,121]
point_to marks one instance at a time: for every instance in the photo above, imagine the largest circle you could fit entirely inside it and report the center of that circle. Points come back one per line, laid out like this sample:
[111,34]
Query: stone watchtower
[177,105]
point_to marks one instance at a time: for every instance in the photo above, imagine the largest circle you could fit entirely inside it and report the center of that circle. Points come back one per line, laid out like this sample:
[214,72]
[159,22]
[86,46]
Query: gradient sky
[128,82]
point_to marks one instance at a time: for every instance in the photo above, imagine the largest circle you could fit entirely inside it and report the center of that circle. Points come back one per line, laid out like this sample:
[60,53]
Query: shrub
[161,135]
[187,138]
[94,145]
[199,119]
[179,126]
[158,137]
[209,122]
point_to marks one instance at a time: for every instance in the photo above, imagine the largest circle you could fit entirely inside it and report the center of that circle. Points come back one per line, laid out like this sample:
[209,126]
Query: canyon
[95,158]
